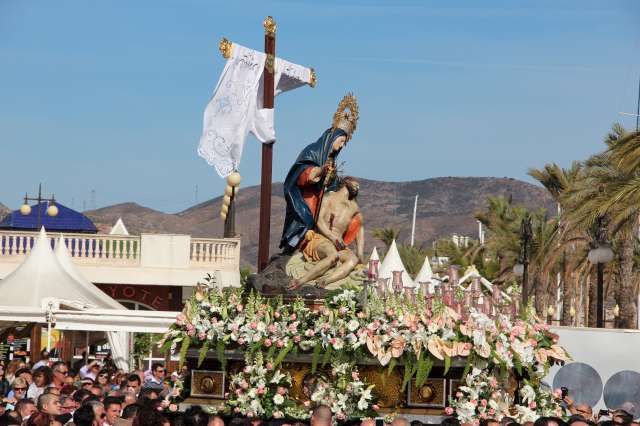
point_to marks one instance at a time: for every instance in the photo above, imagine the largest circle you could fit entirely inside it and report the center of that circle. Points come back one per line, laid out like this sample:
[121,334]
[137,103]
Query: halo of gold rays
[347,112]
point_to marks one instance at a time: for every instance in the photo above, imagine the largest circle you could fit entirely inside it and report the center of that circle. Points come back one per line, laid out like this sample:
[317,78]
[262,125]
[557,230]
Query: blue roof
[67,220]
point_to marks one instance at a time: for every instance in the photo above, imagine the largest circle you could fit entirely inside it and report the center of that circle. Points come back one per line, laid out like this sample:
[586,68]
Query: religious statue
[322,216]
[339,224]
[314,173]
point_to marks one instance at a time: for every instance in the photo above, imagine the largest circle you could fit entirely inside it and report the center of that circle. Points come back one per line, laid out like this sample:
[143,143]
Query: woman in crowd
[42,378]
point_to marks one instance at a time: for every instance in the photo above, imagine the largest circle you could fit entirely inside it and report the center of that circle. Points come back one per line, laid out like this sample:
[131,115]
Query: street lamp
[228,210]
[52,209]
[600,254]
[520,269]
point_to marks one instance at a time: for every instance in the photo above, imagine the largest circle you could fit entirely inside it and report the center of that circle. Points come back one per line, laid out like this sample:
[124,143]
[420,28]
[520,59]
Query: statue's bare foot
[294,284]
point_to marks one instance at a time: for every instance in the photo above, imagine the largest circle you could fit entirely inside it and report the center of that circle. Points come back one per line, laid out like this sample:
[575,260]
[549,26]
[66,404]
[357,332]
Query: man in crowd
[25,408]
[321,416]
[133,384]
[157,377]
[60,374]
[112,408]
[49,403]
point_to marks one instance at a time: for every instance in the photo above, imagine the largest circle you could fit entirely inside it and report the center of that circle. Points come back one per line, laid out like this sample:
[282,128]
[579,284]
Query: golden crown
[346,116]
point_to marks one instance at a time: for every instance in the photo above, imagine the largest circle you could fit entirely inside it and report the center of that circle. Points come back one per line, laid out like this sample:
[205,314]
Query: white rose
[353,325]
[278,399]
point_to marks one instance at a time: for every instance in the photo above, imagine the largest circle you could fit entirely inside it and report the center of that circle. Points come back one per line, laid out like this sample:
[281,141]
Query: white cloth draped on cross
[235,109]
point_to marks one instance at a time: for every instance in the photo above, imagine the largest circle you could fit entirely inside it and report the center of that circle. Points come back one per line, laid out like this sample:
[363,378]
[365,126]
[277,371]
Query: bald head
[400,421]
[321,416]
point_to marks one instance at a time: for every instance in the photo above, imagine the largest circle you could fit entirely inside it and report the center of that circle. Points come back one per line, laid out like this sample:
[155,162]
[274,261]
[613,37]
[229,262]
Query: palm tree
[386,235]
[558,181]
[610,187]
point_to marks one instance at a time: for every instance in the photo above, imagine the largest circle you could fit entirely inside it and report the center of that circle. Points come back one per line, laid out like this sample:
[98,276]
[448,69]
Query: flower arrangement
[345,393]
[260,390]
[415,332]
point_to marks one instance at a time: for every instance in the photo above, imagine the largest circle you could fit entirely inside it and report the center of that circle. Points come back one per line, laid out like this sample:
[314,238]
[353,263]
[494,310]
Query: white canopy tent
[48,288]
[392,262]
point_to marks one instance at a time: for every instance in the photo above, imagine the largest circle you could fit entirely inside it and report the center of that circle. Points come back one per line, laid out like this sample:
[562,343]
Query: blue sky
[108,96]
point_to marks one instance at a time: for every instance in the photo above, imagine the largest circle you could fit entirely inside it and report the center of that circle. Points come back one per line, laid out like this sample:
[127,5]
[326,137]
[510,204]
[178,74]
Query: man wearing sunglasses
[157,377]
[60,374]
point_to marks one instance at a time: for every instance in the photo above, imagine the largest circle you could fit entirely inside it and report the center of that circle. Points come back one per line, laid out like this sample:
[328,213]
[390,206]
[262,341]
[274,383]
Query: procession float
[319,323]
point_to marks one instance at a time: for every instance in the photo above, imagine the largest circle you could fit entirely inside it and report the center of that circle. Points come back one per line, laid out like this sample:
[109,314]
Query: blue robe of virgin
[299,218]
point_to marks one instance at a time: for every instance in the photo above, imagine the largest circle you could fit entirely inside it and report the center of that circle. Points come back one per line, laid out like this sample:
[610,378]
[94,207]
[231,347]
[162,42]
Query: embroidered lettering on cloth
[235,109]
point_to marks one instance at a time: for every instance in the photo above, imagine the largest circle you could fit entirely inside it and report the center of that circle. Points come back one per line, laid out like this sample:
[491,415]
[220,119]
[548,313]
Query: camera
[565,391]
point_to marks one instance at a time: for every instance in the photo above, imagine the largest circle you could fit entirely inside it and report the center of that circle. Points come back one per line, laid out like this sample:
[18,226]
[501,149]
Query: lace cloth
[235,109]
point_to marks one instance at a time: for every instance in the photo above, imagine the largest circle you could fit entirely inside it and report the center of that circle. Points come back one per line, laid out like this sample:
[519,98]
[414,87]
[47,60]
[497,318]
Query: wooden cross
[267,148]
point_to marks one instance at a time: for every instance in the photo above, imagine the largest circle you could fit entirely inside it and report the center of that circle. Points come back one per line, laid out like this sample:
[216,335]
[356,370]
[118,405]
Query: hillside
[445,206]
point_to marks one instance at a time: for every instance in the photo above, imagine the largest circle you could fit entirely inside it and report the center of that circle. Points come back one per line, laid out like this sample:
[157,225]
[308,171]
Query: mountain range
[446,206]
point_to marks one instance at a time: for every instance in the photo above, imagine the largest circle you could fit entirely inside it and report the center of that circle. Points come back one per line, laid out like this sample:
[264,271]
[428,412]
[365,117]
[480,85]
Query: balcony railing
[118,250]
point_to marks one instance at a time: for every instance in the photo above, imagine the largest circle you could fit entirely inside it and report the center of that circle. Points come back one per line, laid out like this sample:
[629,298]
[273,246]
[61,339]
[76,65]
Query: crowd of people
[53,393]
[87,394]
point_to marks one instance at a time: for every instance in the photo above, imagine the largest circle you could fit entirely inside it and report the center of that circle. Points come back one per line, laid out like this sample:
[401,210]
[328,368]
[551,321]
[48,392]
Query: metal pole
[39,201]
[525,283]
[267,148]
[600,297]
[638,109]
[413,226]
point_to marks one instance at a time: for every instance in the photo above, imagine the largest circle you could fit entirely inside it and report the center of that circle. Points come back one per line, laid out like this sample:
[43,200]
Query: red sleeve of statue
[309,190]
[352,230]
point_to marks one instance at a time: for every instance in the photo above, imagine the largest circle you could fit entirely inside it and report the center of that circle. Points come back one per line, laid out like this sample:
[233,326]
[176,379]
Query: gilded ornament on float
[430,395]
[269,26]
[313,80]
[208,383]
[226,48]
[388,388]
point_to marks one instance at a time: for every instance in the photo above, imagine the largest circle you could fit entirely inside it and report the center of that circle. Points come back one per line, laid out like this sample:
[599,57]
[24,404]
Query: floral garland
[414,332]
[345,393]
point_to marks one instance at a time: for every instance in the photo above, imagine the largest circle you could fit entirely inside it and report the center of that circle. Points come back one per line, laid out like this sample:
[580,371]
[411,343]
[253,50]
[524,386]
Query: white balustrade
[96,249]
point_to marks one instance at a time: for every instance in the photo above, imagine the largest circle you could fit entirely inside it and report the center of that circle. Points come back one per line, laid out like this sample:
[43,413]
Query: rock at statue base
[282,268]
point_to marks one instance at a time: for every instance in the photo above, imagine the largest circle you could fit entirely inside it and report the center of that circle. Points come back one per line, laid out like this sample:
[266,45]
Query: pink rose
[191,332]
[241,341]
[180,319]
[355,375]
[491,411]
[261,390]
[474,402]
[272,328]
[448,411]
[390,312]
[293,317]
[244,385]
[282,391]
[459,394]
[269,366]
[483,402]
[343,310]
[306,403]
[247,369]
[239,308]
[277,314]
[279,343]
[297,339]
[533,405]
[267,342]
[253,325]
[202,335]
[236,410]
